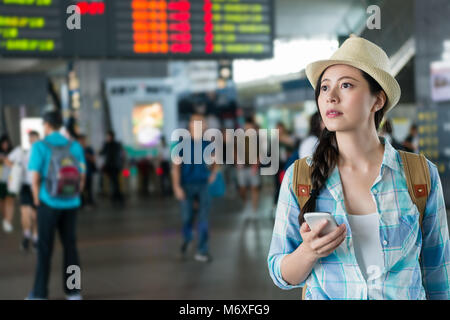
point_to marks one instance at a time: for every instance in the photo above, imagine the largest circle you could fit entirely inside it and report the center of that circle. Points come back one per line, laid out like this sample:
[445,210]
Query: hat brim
[385,80]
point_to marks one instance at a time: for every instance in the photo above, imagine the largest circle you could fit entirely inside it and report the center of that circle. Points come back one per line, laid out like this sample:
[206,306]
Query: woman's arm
[286,237]
[296,266]
[435,253]
[8,162]
[294,250]
[35,187]
[176,181]
[14,156]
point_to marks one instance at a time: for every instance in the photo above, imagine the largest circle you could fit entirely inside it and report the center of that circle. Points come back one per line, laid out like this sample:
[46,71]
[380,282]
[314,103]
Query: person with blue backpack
[58,175]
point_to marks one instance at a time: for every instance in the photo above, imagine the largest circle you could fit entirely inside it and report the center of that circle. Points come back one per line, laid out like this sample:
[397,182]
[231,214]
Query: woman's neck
[359,150]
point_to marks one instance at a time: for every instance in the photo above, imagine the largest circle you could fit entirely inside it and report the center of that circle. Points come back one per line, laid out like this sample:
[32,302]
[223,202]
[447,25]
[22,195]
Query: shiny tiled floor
[132,253]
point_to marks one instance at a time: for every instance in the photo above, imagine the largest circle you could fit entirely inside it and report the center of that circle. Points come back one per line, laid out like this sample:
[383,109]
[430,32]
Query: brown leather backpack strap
[418,179]
[302,181]
[295,178]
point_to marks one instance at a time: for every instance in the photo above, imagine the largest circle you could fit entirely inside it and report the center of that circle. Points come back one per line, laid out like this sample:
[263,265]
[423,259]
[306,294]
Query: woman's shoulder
[308,160]
[434,172]
[309,140]
[289,173]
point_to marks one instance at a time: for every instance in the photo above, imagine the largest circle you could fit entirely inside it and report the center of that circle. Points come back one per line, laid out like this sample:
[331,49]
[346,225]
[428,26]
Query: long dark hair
[5,138]
[327,152]
[314,125]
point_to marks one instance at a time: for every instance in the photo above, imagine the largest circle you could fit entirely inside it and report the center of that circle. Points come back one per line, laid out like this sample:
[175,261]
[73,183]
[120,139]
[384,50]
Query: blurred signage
[440,81]
[28,27]
[138,28]
[202,76]
[138,89]
[91,8]
[148,124]
[287,96]
[296,84]
[434,128]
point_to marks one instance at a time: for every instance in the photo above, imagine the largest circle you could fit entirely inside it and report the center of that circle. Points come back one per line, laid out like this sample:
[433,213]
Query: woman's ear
[380,102]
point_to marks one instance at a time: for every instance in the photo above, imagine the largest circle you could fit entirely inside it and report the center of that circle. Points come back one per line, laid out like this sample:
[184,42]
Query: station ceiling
[312,18]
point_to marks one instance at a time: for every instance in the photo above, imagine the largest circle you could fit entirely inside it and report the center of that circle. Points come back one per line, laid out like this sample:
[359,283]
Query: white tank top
[366,241]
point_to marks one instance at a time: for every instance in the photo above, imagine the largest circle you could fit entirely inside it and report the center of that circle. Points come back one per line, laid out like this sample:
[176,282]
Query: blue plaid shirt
[338,275]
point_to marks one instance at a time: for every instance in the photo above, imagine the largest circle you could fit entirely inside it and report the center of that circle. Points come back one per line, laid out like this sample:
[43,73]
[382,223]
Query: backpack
[217,188]
[63,176]
[417,178]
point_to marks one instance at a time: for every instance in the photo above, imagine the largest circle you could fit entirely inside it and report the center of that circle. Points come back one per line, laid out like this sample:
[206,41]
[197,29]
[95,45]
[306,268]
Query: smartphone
[313,219]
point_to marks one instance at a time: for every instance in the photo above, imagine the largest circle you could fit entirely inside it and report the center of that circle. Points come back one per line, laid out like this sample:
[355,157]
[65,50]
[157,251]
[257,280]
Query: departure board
[166,29]
[31,28]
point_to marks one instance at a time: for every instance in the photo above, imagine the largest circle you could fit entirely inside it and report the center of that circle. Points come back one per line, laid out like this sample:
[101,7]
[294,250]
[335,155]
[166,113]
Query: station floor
[133,253]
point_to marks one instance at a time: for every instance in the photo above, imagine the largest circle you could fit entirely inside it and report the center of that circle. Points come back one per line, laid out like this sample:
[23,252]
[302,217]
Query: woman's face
[345,100]
[5,145]
[199,123]
[33,138]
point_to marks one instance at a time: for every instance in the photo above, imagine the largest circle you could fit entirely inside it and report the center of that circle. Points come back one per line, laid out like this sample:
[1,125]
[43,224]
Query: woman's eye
[323,88]
[347,85]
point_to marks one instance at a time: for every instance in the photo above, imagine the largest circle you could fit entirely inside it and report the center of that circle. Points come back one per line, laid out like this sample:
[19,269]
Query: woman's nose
[332,97]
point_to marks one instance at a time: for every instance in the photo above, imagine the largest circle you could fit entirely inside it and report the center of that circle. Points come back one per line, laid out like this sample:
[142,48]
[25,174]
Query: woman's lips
[333,114]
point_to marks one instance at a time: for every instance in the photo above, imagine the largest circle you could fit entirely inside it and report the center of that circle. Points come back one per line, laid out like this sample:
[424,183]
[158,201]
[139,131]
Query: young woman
[6,198]
[27,208]
[359,178]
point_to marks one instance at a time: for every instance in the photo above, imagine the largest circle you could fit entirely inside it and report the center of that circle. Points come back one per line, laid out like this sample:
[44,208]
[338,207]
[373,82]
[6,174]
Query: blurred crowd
[194,185]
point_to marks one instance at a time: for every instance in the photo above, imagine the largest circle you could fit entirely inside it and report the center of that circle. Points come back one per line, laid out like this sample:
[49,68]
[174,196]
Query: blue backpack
[217,187]
[63,176]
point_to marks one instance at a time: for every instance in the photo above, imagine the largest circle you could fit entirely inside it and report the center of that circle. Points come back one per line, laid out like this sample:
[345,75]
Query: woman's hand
[318,247]
[212,177]
[179,193]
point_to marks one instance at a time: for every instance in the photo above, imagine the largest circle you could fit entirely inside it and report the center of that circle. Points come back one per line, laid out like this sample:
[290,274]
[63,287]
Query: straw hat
[366,56]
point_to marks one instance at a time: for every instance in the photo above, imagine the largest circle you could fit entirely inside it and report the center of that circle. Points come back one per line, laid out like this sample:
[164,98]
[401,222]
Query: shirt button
[375,191]
[385,242]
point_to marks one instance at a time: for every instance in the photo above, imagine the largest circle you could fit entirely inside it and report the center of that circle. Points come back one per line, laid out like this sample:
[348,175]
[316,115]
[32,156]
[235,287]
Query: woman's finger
[322,241]
[304,228]
[330,247]
[331,236]
[317,230]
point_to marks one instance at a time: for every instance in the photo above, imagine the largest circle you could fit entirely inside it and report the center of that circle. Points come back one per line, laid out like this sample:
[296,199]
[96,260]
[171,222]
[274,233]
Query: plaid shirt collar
[390,160]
